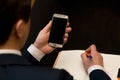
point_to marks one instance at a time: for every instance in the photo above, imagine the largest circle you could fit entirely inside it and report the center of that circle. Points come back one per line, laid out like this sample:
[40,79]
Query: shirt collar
[9,51]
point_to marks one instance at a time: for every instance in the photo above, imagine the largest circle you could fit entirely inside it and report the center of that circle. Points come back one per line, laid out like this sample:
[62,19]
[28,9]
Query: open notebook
[70,60]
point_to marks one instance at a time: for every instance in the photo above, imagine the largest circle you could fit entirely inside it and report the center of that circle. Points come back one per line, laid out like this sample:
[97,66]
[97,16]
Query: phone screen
[58,30]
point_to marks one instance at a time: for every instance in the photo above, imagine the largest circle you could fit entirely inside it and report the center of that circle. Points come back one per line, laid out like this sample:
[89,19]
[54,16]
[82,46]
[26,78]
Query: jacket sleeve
[99,75]
[65,75]
[30,58]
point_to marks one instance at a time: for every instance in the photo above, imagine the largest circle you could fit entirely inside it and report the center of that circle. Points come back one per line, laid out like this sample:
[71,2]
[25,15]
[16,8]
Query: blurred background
[92,21]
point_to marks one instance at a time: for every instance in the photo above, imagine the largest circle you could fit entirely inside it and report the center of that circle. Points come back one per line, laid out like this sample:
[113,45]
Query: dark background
[92,21]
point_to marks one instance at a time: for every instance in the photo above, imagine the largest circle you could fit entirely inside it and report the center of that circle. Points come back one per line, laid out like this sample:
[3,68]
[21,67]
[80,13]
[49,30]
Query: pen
[89,56]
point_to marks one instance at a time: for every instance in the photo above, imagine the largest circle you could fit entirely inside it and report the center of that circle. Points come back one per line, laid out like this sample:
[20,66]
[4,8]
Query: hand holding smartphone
[59,23]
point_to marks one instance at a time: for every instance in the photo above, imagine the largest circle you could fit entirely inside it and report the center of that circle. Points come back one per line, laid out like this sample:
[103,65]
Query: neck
[10,44]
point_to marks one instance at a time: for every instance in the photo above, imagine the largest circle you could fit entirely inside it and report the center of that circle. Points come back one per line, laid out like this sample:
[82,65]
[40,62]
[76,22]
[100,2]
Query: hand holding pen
[91,57]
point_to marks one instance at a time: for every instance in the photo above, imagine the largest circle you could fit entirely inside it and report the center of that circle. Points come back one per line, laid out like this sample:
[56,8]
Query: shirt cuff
[35,52]
[96,67]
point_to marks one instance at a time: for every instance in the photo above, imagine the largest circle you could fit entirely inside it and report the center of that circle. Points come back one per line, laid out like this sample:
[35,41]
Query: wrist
[95,67]
[38,47]
[35,52]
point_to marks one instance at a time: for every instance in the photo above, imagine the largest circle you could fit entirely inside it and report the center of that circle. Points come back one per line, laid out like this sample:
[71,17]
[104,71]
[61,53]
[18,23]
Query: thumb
[48,27]
[91,49]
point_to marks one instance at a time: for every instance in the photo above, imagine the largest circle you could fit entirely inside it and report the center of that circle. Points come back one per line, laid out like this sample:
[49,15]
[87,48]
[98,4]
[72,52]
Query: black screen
[58,30]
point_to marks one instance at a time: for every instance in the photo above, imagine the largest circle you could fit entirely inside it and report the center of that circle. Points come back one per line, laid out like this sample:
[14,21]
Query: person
[94,65]
[15,26]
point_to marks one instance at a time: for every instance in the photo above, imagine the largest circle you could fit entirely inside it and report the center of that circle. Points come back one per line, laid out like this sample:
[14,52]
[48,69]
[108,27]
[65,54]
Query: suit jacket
[14,67]
[94,75]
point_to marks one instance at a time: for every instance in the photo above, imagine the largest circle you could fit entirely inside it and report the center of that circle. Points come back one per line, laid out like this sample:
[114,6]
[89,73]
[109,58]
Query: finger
[48,26]
[88,50]
[66,35]
[65,40]
[83,56]
[68,29]
[91,49]
[68,23]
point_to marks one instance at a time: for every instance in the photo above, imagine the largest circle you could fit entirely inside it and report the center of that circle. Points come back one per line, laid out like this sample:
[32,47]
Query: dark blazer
[14,67]
[95,75]
[99,75]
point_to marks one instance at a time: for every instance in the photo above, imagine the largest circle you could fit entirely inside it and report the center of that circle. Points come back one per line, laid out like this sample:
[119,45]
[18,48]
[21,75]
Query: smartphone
[59,23]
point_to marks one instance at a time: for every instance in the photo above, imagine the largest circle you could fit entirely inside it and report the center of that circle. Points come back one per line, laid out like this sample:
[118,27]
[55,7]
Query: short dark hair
[10,12]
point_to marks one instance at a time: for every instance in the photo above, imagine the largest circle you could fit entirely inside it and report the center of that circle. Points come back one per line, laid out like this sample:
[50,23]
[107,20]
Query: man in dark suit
[15,24]
[14,29]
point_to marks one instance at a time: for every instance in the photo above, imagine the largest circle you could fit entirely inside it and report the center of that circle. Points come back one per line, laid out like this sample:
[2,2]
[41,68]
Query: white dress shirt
[96,67]
[35,52]
[10,51]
